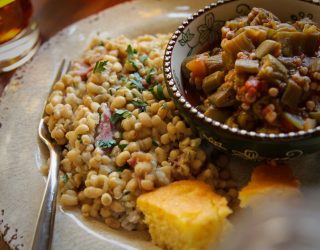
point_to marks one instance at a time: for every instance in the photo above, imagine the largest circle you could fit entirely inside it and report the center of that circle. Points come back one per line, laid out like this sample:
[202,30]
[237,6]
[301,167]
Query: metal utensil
[44,230]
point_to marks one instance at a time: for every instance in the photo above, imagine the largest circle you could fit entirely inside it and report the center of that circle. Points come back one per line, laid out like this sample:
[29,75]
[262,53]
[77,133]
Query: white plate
[21,184]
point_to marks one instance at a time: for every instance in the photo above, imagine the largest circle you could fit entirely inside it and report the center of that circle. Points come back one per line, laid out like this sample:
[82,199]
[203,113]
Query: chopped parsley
[131,52]
[136,82]
[100,66]
[159,91]
[123,79]
[106,144]
[65,178]
[160,94]
[143,58]
[119,115]
[150,75]
[122,146]
[155,143]
[134,64]
[139,104]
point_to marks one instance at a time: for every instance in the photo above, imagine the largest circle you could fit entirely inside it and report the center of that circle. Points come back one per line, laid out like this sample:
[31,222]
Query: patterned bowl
[192,37]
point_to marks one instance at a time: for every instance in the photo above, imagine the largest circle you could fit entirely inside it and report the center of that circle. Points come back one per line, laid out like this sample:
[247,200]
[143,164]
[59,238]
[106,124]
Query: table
[52,16]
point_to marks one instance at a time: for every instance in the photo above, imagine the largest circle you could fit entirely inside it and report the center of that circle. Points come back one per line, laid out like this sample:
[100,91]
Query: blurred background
[53,15]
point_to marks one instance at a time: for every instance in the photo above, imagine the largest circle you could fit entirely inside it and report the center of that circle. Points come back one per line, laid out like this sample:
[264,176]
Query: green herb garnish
[65,178]
[134,64]
[139,104]
[150,75]
[155,143]
[136,82]
[99,67]
[130,51]
[143,58]
[123,79]
[158,94]
[106,144]
[119,115]
[122,146]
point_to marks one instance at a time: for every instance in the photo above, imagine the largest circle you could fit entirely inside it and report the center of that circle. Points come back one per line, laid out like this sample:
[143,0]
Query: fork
[44,229]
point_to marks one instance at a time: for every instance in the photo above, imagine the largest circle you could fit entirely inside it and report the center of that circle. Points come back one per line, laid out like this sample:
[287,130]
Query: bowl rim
[179,97]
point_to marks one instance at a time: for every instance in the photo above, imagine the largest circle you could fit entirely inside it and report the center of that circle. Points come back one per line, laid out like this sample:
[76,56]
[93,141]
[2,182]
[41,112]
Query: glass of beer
[19,34]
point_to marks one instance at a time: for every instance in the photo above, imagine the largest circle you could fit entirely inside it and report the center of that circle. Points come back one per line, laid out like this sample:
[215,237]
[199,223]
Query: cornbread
[272,182]
[184,215]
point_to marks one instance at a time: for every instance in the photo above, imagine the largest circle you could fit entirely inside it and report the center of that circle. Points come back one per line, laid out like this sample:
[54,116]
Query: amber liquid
[14,17]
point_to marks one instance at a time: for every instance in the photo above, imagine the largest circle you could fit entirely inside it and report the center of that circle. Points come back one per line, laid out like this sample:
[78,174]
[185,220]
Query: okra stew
[265,76]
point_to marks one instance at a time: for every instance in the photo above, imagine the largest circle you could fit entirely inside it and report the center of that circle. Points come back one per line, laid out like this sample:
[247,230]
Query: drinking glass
[19,34]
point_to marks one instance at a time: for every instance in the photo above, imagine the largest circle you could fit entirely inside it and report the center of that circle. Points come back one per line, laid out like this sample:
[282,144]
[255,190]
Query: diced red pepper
[252,88]
[132,162]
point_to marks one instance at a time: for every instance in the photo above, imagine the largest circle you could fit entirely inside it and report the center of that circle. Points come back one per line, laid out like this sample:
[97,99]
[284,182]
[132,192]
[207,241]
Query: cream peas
[149,144]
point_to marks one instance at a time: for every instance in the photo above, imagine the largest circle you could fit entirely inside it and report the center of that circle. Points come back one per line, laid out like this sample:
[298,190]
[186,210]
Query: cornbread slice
[185,215]
[269,182]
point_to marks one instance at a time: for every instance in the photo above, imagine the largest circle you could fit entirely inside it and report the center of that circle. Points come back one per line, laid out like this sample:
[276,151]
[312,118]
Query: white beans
[81,129]
[147,185]
[122,158]
[142,167]
[106,199]
[69,200]
[92,192]
[118,102]
[156,121]
[145,119]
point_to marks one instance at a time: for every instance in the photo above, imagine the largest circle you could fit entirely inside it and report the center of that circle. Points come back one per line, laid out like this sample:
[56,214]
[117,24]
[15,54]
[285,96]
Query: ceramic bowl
[192,37]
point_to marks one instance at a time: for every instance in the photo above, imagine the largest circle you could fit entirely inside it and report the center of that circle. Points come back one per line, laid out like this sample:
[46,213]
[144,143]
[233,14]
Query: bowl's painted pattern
[192,37]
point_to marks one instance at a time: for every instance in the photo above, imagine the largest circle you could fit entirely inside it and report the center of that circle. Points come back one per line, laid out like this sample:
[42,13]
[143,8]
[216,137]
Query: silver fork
[44,230]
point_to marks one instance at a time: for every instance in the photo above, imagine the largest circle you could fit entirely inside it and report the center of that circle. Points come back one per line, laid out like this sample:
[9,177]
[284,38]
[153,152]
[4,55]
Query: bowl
[192,37]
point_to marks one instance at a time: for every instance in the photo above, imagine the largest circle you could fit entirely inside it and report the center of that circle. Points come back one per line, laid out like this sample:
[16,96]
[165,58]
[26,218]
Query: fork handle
[44,230]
